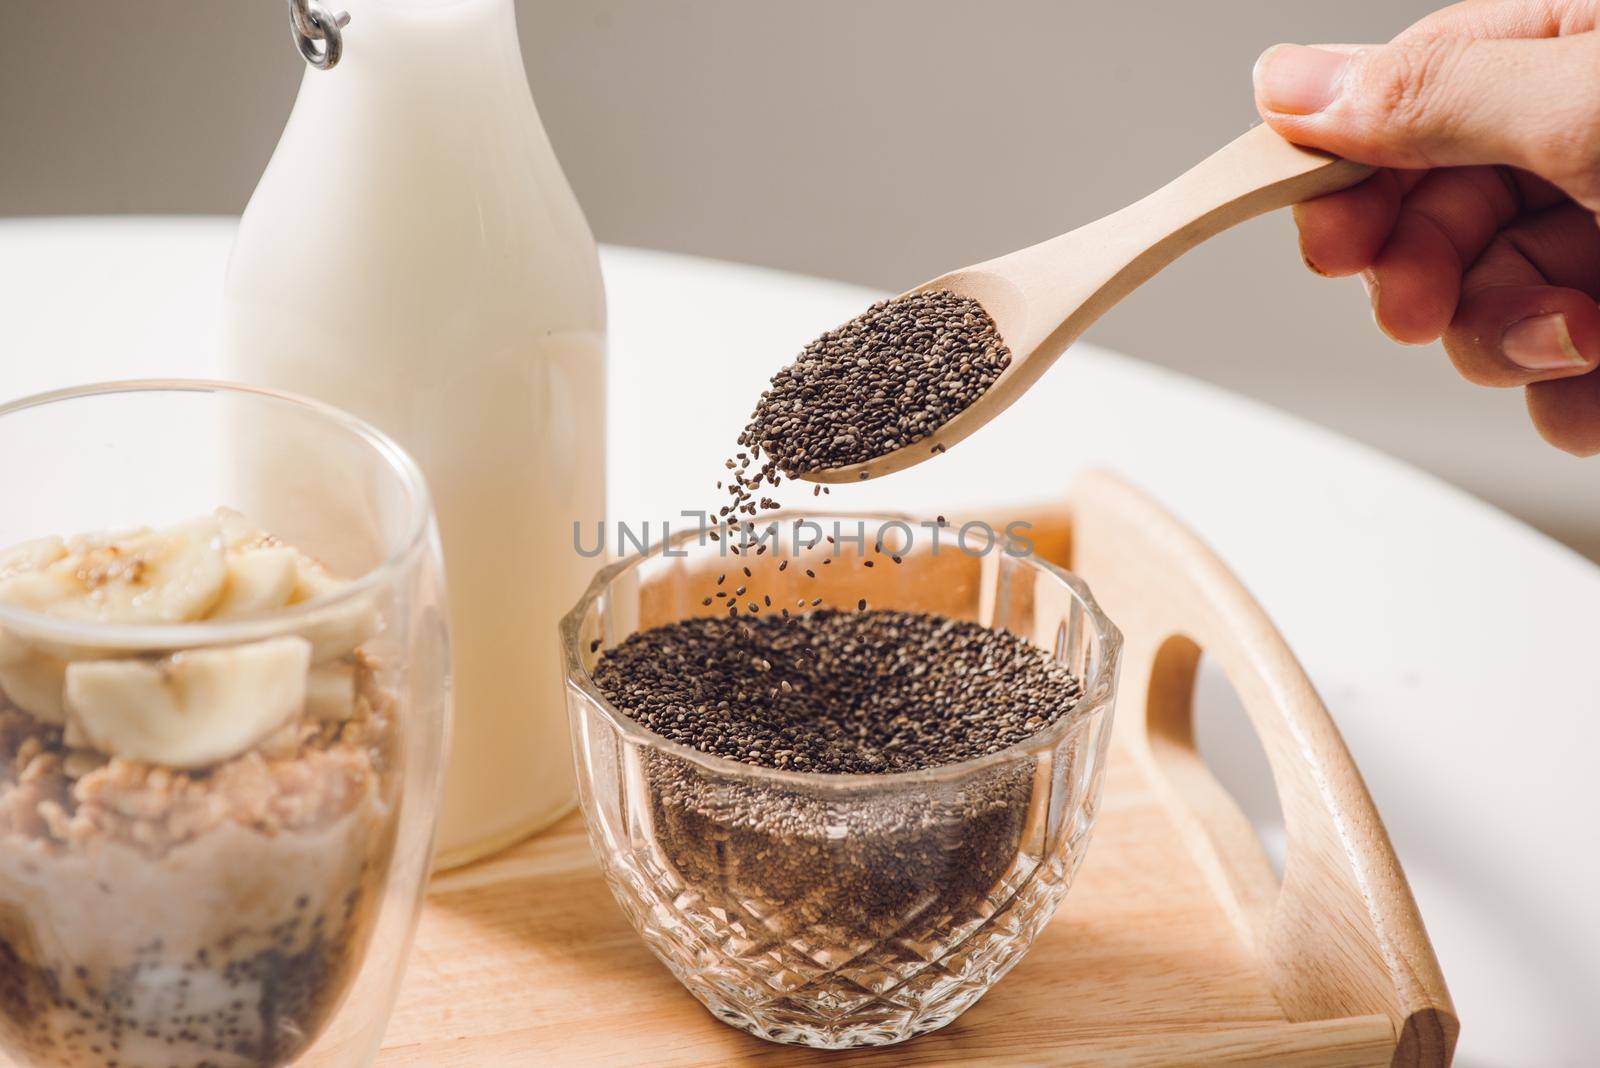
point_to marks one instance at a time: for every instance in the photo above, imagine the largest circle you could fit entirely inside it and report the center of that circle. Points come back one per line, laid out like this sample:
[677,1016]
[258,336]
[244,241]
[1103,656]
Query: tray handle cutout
[1342,935]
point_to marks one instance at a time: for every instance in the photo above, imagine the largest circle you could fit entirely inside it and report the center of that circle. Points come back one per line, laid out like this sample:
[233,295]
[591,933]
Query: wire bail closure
[312,23]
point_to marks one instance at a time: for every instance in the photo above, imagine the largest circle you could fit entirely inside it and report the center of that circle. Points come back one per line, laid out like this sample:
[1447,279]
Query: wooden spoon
[1043,297]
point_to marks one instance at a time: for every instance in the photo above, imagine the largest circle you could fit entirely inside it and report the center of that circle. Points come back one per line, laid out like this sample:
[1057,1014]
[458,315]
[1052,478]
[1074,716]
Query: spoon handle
[1253,174]
[1074,279]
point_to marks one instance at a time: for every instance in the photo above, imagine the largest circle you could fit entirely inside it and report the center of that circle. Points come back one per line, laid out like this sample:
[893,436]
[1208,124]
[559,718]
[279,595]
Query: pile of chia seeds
[863,878]
[831,691]
[859,881]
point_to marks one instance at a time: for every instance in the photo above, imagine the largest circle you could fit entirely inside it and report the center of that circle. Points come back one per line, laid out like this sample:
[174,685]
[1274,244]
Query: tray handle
[1342,934]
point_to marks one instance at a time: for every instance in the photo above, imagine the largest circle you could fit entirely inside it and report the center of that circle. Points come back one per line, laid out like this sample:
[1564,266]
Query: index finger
[1341,233]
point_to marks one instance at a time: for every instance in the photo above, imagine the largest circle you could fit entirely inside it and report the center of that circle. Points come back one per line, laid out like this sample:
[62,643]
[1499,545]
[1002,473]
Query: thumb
[1435,101]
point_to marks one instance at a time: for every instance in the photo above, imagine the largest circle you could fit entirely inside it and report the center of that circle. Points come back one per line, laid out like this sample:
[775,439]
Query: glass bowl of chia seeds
[839,778]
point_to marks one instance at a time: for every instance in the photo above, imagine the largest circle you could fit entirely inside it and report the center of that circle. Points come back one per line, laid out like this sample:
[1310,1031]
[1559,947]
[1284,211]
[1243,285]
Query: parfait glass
[839,910]
[215,822]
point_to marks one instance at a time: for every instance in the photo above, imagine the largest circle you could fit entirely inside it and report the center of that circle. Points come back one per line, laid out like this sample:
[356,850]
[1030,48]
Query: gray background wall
[880,141]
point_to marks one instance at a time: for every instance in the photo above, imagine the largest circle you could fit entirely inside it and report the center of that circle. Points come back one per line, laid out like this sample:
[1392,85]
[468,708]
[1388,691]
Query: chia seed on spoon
[885,380]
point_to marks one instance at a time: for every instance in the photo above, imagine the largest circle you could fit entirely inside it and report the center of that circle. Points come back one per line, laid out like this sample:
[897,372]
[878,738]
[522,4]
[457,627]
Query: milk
[415,256]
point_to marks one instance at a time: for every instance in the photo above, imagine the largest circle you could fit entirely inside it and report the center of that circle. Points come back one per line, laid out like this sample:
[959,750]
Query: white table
[1458,649]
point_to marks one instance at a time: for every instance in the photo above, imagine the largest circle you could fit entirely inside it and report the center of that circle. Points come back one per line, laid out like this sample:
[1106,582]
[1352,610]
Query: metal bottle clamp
[311,23]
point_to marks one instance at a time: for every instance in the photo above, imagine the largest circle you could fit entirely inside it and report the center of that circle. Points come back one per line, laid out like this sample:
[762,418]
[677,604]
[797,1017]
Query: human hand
[1480,227]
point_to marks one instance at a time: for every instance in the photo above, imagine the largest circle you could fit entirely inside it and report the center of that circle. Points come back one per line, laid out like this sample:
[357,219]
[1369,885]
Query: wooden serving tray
[1176,945]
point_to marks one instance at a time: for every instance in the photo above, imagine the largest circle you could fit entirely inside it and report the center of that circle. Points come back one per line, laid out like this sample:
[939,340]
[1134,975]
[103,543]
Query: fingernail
[1296,80]
[1541,343]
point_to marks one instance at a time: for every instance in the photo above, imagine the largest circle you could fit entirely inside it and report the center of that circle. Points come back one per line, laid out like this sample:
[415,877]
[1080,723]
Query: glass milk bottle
[415,256]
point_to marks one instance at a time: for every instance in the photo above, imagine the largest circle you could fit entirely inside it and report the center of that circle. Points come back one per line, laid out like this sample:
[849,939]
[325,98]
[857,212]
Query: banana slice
[193,709]
[35,682]
[32,680]
[331,691]
[241,535]
[333,633]
[237,531]
[145,577]
[31,556]
[72,736]
[259,581]
[337,630]
[13,649]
